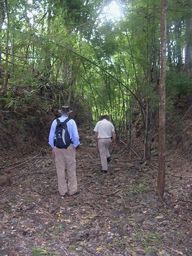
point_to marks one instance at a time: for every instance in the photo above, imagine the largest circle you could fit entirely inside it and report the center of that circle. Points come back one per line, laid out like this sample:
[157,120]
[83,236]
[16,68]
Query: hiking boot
[74,194]
[64,196]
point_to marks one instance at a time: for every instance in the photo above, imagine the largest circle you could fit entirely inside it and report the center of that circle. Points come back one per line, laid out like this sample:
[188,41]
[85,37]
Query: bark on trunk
[188,48]
[161,171]
[6,77]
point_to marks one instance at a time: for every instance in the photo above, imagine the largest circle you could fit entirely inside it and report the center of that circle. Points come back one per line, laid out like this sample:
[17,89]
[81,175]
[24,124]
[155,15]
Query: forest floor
[115,214]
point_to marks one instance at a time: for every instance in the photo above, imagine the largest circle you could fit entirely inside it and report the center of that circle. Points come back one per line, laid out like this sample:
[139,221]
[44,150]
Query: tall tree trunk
[188,48]
[147,141]
[178,29]
[6,77]
[2,12]
[2,17]
[163,37]
[47,63]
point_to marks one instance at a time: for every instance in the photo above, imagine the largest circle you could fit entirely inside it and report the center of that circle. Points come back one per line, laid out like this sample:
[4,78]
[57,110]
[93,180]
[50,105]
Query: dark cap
[105,116]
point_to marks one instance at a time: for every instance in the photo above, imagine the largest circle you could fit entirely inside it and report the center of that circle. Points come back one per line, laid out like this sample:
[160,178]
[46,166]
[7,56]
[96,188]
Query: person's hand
[97,147]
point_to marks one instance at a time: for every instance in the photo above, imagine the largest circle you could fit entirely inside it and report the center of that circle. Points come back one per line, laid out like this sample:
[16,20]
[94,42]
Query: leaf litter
[115,214]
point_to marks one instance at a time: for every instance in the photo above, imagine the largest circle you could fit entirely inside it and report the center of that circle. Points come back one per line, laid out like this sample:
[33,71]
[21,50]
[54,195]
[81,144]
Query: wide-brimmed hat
[65,109]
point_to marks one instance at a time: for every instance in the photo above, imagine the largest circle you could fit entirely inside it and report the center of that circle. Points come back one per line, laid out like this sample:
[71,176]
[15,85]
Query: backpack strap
[58,121]
[63,123]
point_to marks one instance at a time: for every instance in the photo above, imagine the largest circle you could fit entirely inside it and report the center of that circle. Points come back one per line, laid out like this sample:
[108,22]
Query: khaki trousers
[65,160]
[103,147]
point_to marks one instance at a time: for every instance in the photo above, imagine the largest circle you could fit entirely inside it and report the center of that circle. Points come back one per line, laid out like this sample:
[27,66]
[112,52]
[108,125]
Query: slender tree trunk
[147,142]
[163,37]
[188,48]
[178,29]
[6,77]
[12,52]
[2,12]
[2,17]
[47,63]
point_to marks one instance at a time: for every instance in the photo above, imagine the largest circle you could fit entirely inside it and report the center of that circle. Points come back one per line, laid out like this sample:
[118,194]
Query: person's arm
[51,137]
[113,137]
[74,135]
[96,139]
[113,134]
[52,134]
[96,134]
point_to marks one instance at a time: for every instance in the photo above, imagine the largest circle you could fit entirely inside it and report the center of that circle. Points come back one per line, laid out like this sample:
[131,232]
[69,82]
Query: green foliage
[148,239]
[41,252]
[137,189]
[178,84]
[58,52]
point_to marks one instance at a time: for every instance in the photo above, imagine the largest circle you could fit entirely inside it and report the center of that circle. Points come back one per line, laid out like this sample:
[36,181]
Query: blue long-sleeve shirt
[72,129]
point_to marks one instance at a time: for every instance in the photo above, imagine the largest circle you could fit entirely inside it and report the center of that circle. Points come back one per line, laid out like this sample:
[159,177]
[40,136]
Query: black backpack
[62,137]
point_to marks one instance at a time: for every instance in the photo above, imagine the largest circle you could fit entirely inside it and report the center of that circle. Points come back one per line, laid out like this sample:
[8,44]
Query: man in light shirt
[65,158]
[105,135]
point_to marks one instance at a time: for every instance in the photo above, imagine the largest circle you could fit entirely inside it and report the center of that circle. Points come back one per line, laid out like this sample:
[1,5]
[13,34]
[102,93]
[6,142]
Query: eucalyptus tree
[162,99]
[6,73]
[2,17]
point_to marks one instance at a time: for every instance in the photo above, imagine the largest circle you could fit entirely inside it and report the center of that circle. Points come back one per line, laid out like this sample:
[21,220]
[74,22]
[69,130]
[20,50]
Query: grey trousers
[65,160]
[103,147]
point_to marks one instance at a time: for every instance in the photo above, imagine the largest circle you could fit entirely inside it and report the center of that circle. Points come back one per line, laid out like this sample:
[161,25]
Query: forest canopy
[104,53]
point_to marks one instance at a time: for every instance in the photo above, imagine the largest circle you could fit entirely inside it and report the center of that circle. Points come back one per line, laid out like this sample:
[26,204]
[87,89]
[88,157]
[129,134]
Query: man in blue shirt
[65,159]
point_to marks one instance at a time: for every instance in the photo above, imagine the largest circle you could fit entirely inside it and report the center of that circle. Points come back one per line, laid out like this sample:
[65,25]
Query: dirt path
[115,214]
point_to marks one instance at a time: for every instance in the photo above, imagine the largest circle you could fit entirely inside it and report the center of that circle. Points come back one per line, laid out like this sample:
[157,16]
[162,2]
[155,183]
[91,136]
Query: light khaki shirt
[104,128]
